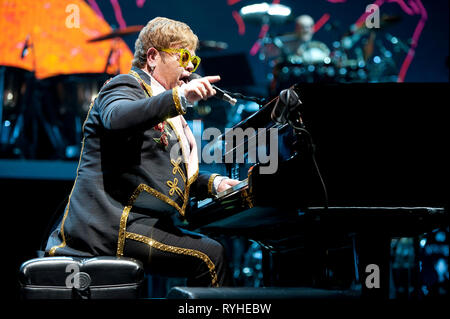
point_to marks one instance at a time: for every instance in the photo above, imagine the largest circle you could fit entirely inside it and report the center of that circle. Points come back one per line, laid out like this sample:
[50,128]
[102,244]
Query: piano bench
[81,278]
[260,293]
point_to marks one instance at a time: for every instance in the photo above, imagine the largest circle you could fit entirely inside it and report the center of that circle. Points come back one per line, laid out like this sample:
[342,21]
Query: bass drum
[311,64]
[313,52]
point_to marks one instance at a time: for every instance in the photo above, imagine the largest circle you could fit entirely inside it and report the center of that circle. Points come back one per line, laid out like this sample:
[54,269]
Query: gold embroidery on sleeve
[176,100]
[211,182]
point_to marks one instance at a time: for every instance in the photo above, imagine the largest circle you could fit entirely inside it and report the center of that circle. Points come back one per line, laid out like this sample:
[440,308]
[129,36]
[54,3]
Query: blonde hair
[162,33]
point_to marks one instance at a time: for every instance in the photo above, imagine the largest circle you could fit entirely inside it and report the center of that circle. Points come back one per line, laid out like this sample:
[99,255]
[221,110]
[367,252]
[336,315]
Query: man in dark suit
[139,166]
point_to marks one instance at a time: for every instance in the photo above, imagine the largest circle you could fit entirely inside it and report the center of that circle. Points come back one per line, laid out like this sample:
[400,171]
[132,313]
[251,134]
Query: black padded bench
[81,278]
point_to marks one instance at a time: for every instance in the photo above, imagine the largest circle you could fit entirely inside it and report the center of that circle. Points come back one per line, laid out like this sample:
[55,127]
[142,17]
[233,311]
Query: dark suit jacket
[125,171]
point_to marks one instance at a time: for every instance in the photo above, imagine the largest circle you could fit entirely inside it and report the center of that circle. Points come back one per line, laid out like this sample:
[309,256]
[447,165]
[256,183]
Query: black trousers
[170,251]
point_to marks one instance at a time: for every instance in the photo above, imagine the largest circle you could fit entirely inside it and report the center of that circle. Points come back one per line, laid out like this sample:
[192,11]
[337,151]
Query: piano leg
[268,265]
[374,264]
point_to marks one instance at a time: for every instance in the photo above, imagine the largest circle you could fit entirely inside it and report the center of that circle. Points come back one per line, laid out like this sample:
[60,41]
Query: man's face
[305,29]
[168,71]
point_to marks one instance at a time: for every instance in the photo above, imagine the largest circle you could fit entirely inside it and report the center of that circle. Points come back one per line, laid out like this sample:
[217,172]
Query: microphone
[26,46]
[287,107]
[221,95]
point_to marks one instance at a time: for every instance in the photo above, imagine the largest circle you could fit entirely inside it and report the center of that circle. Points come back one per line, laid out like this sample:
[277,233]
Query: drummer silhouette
[301,59]
[304,27]
[307,50]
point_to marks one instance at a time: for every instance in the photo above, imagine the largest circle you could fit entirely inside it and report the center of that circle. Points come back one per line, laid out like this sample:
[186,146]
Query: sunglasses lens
[195,61]
[185,57]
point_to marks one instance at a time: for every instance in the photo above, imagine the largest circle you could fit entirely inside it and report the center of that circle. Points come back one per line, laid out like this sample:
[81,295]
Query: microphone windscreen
[194,76]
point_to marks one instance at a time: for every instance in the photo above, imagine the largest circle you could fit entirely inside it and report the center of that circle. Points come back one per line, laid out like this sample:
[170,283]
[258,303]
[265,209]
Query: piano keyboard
[236,188]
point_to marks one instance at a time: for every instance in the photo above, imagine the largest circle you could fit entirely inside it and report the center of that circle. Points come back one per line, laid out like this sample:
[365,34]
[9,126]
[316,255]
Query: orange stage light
[43,36]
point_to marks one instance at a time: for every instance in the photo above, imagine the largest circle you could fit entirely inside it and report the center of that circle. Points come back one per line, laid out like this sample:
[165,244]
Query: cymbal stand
[115,49]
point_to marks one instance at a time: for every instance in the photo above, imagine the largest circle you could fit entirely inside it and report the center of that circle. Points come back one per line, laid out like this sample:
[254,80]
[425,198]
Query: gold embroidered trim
[144,187]
[157,194]
[124,219]
[174,188]
[52,250]
[211,182]
[146,87]
[127,209]
[176,100]
[177,250]
[247,198]
[177,168]
[193,178]
[183,152]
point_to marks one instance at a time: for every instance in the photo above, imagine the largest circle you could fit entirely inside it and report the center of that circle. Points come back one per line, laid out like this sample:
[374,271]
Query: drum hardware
[209,45]
[43,118]
[264,13]
[115,35]
[356,56]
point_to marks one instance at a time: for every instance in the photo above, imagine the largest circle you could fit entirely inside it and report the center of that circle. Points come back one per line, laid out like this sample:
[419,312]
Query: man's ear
[151,56]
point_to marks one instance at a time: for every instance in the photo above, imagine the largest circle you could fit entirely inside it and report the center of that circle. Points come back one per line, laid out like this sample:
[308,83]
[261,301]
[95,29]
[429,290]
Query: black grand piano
[305,242]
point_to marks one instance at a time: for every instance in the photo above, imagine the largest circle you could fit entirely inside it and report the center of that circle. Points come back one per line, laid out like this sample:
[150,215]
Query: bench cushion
[77,277]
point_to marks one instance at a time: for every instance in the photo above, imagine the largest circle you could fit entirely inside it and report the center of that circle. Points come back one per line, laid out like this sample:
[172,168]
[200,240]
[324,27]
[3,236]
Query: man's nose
[190,66]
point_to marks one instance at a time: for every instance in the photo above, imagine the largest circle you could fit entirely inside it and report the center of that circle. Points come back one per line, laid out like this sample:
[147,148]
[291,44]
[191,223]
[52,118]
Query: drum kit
[358,55]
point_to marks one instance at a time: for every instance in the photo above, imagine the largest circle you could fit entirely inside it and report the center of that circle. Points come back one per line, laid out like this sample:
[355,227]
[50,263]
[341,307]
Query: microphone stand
[240,96]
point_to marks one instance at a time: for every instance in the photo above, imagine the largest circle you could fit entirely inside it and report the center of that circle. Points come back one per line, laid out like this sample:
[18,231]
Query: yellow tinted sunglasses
[185,57]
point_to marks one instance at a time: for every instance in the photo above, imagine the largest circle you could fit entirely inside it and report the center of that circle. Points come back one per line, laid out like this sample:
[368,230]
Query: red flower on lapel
[163,140]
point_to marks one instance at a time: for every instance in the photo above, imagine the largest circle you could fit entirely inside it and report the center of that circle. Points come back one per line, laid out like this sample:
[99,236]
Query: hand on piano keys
[226,183]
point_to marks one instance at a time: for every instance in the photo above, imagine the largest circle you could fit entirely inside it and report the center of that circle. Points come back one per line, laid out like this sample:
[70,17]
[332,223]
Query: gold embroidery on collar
[146,87]
[183,152]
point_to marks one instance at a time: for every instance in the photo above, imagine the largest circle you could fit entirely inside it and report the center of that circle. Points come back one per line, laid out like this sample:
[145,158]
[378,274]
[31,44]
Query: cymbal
[264,13]
[350,38]
[207,45]
[385,22]
[117,33]
[388,20]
